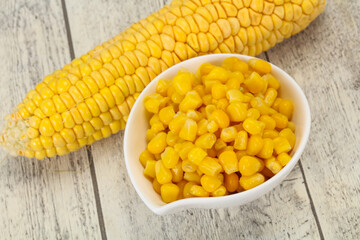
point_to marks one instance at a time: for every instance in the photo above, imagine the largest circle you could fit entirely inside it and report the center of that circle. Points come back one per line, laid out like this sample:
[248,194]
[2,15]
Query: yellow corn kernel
[157,127]
[241,140]
[273,165]
[88,129]
[255,83]
[272,81]
[289,135]
[218,91]
[270,134]
[253,113]
[40,154]
[156,186]
[291,125]
[210,183]
[97,135]
[177,173]
[162,86]
[281,120]
[46,128]
[249,165]
[235,64]
[166,114]
[32,132]
[220,117]
[267,149]
[184,150]
[169,157]
[229,161]
[68,135]
[218,74]
[281,144]
[206,141]
[220,191]
[196,155]
[198,191]
[35,144]
[234,95]
[188,166]
[149,170]
[191,101]
[171,138]
[228,134]
[219,144]
[237,111]
[210,166]
[34,122]
[212,126]
[253,126]
[270,123]
[150,134]
[231,182]
[192,177]
[255,144]
[152,103]
[270,96]
[202,127]
[186,191]
[259,65]
[157,144]
[222,104]
[248,182]
[182,82]
[240,154]
[286,107]
[276,103]
[46,142]
[188,130]
[169,192]
[283,158]
[177,123]
[145,156]
[163,175]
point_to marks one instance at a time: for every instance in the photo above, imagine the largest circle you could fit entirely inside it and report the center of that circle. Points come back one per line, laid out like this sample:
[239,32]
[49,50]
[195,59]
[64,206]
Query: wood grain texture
[50,199]
[284,213]
[324,60]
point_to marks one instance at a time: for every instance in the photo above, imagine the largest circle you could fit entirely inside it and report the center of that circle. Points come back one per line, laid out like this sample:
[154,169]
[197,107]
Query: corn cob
[90,98]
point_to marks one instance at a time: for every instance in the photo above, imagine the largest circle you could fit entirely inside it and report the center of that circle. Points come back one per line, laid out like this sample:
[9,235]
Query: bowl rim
[264,187]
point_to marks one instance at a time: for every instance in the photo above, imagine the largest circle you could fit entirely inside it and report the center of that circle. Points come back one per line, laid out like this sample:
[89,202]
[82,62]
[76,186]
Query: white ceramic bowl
[135,141]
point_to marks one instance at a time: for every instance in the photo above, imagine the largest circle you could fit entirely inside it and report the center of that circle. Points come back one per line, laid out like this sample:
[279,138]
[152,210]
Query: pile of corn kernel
[219,131]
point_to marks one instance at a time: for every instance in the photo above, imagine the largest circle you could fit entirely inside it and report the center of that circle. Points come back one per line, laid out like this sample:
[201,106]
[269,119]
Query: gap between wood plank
[88,149]
[307,187]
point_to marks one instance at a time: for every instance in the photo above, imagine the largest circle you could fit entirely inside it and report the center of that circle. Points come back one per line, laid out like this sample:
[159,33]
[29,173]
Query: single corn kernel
[182,82]
[248,182]
[270,96]
[273,165]
[276,103]
[250,165]
[281,145]
[202,127]
[220,117]
[194,115]
[235,64]
[286,107]
[169,192]
[177,173]
[267,149]
[270,134]
[150,168]
[188,166]
[253,126]
[237,111]
[196,155]
[192,177]
[163,175]
[184,150]
[176,97]
[189,130]
[221,191]
[234,95]
[157,144]
[270,123]
[219,144]
[156,186]
[231,182]
[206,141]
[157,127]
[228,134]
[210,166]
[229,161]
[218,91]
[145,156]
[272,81]
[255,83]
[187,187]
[253,113]
[259,65]
[212,153]
[150,134]
[152,103]
[289,135]
[166,114]
[212,126]
[181,186]
[241,140]
[291,125]
[283,158]
[191,101]
[198,191]
[169,157]
[222,104]
[176,124]
[255,144]
[162,86]
[210,183]
[219,74]
[240,154]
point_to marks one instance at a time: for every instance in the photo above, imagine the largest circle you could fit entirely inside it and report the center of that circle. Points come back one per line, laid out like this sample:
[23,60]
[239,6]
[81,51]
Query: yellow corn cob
[90,98]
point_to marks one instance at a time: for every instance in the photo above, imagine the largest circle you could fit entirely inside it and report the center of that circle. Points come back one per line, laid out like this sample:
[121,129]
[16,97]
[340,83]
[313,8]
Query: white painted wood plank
[50,199]
[284,213]
[324,60]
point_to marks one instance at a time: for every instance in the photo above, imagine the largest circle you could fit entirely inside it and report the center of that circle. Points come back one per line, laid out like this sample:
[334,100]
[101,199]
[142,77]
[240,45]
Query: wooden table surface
[88,194]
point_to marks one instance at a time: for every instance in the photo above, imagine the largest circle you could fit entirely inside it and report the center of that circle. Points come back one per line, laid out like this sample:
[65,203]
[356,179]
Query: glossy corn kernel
[218,91]
[291,125]
[250,165]
[186,191]
[192,177]
[166,114]
[281,144]
[270,96]
[270,134]
[220,191]
[234,95]
[237,111]
[272,81]
[196,155]
[188,166]
[188,130]
[171,138]
[253,126]
[152,103]
[231,182]
[184,149]
[253,113]
[206,141]
[210,166]
[289,135]
[163,174]
[202,127]
[177,173]
[191,101]
[270,123]
[228,134]
[260,65]
[169,157]
[182,82]
[286,107]
[198,191]
[150,169]
[283,158]
[162,86]
[218,74]
[157,144]
[169,192]
[176,124]
[248,182]
[229,161]
[267,149]
[255,144]
[273,165]
[156,186]
[220,118]
[241,140]
[219,144]
[212,126]
[255,83]
[210,183]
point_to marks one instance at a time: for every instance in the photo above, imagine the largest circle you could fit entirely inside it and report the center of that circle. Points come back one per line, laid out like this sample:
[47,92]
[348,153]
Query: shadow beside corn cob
[91,97]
